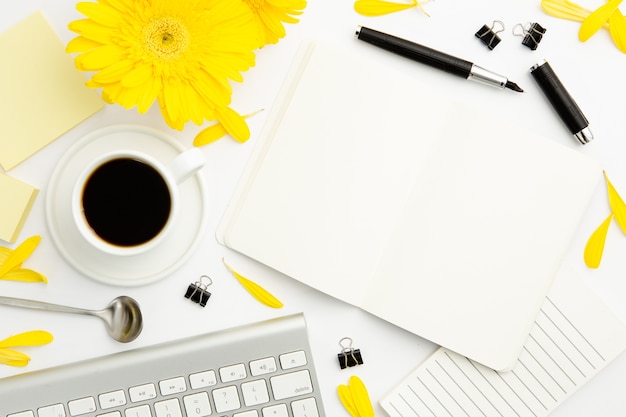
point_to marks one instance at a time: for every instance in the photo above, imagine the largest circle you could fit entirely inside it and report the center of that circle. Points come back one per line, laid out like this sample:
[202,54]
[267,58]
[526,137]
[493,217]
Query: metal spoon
[122,316]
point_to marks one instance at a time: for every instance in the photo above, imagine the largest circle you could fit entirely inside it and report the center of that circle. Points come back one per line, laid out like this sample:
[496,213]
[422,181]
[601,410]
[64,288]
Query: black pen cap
[562,102]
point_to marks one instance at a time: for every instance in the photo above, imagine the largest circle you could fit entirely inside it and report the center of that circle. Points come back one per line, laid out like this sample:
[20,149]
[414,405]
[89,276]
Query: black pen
[437,59]
[562,102]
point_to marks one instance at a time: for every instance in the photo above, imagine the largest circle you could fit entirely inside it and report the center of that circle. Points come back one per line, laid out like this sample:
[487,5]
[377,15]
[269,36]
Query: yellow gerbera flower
[182,53]
[270,15]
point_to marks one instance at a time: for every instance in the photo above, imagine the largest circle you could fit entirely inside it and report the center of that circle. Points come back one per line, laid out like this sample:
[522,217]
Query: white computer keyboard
[263,369]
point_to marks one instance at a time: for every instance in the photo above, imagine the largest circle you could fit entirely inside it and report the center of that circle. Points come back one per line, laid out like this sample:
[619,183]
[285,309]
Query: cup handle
[186,164]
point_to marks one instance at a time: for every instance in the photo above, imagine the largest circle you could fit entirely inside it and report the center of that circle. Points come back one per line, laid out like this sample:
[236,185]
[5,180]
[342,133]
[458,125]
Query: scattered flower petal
[597,19]
[214,132]
[595,245]
[11,262]
[258,292]
[382,7]
[618,208]
[355,398]
[31,338]
[565,9]
[617,28]
[20,254]
[13,358]
[346,399]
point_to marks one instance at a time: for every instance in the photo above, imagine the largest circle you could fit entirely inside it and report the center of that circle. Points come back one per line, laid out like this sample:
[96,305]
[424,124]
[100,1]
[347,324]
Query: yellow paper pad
[43,95]
[17,199]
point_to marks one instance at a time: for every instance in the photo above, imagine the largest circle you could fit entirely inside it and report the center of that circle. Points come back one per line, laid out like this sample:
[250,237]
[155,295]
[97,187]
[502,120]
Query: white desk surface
[593,72]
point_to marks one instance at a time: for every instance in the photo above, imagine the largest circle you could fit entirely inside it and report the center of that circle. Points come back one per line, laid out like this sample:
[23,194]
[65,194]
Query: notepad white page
[574,337]
[372,187]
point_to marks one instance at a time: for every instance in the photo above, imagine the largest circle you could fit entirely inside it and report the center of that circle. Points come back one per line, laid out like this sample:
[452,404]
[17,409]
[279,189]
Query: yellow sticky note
[43,95]
[16,200]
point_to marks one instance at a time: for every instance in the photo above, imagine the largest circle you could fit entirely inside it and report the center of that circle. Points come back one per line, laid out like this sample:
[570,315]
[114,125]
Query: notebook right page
[574,337]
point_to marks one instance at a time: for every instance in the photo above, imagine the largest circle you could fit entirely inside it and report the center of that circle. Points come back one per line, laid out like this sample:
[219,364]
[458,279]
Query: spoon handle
[40,305]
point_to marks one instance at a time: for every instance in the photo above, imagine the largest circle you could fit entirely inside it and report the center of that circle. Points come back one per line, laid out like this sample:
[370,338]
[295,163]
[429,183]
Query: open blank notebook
[369,186]
[573,338]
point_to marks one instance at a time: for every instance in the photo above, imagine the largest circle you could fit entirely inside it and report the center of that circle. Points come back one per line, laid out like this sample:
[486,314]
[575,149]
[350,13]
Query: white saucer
[124,270]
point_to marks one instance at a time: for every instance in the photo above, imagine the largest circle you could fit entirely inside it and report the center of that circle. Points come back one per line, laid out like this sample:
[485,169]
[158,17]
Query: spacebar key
[291,385]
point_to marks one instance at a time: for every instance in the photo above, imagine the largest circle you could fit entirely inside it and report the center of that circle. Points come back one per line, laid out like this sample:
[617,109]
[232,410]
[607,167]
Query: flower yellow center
[166,38]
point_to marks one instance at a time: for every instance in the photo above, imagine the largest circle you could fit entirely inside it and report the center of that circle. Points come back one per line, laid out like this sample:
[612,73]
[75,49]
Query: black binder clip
[348,357]
[488,36]
[532,33]
[197,291]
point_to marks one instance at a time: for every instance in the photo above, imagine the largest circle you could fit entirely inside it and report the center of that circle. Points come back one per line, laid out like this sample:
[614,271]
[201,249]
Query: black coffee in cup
[126,202]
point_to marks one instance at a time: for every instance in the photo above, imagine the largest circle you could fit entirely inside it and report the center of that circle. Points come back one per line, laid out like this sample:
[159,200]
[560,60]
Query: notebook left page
[321,195]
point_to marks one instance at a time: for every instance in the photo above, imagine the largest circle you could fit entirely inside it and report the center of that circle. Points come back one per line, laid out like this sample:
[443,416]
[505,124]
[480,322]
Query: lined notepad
[43,95]
[574,337]
[369,186]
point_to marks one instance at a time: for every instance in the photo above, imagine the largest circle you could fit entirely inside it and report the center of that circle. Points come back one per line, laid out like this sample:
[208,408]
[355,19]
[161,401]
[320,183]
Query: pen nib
[512,86]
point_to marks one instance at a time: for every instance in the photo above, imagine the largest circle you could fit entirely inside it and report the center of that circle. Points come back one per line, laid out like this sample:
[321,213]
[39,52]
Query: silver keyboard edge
[270,337]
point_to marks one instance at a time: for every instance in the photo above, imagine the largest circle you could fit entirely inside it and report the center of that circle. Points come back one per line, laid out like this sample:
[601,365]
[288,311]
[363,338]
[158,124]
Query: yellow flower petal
[595,244]
[380,7]
[13,358]
[565,9]
[19,255]
[30,338]
[99,13]
[360,397]
[24,275]
[99,58]
[270,15]
[258,292]
[234,124]
[346,399]
[597,19]
[215,132]
[91,30]
[81,44]
[209,135]
[618,208]
[140,74]
[617,28]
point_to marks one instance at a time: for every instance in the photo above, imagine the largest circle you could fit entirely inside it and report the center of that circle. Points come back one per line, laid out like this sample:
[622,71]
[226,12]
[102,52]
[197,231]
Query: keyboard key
[22,414]
[173,386]
[263,366]
[197,405]
[168,408]
[279,410]
[112,399]
[291,385]
[233,372]
[111,414]
[82,406]
[202,379]
[56,410]
[305,408]
[142,393]
[293,359]
[226,399]
[141,411]
[255,393]
[251,413]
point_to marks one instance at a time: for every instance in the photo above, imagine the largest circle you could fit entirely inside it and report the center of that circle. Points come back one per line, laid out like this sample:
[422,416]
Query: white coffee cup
[125,202]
